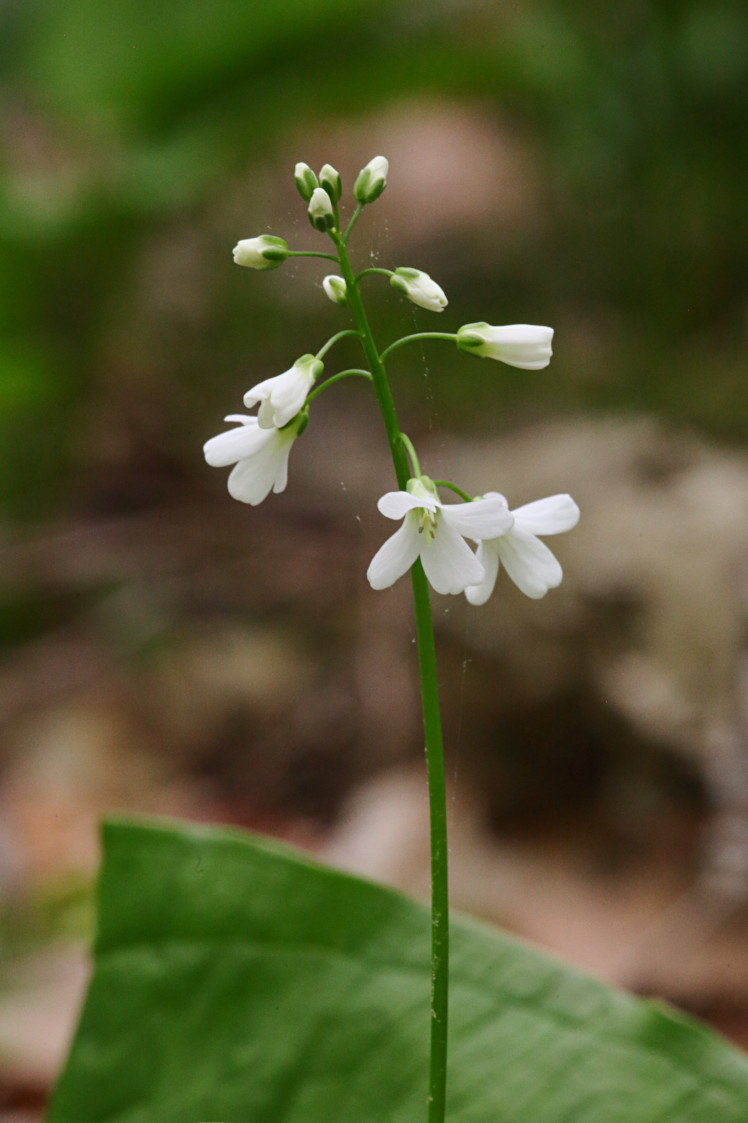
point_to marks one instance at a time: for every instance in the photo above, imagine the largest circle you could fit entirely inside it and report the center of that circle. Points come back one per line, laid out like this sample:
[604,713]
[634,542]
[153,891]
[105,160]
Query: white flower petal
[228,448]
[266,414]
[395,556]
[488,556]
[552,515]
[266,470]
[528,561]
[483,518]
[449,563]
[395,504]
[283,396]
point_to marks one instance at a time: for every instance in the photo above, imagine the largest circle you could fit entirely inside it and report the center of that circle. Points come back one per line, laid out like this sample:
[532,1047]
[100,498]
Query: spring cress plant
[434,539]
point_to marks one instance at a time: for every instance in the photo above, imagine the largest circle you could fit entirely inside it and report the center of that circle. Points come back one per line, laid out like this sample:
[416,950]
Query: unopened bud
[306,181]
[321,214]
[329,178]
[265,252]
[371,180]
[420,288]
[336,289]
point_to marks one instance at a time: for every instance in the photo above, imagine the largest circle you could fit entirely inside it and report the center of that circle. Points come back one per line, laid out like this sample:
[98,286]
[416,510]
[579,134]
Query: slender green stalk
[415,465]
[337,378]
[457,490]
[412,339]
[334,339]
[312,253]
[354,219]
[431,719]
[374,269]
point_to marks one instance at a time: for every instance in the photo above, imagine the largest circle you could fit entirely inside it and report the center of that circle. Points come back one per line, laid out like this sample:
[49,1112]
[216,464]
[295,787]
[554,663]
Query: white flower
[284,395]
[335,288]
[260,456]
[371,180]
[265,252]
[528,561]
[435,533]
[321,214]
[419,288]
[520,345]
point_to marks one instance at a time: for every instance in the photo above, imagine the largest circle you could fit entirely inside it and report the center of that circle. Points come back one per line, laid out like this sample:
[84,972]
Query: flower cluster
[260,446]
[437,534]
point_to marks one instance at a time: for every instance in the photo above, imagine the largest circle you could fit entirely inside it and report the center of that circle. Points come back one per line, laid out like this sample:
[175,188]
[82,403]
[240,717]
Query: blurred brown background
[166,650]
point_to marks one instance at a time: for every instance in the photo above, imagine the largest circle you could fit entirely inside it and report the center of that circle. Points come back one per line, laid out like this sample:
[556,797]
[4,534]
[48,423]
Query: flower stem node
[260,456]
[329,178]
[371,180]
[419,288]
[527,346]
[321,214]
[306,181]
[435,533]
[528,561]
[265,252]
[335,289]
[281,398]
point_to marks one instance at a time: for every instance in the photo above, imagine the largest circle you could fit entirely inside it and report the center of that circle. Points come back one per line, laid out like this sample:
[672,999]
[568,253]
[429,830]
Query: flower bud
[330,180]
[321,214]
[265,252]
[335,289]
[419,288]
[371,180]
[527,346]
[306,181]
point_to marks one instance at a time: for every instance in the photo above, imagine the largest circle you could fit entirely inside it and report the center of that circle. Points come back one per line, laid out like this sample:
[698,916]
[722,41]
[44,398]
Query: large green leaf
[238,981]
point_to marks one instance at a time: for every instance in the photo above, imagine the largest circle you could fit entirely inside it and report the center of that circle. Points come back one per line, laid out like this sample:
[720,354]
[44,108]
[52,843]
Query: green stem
[336,378]
[431,723]
[354,219]
[439,853]
[453,487]
[311,253]
[415,466]
[378,373]
[334,339]
[374,269]
[412,339]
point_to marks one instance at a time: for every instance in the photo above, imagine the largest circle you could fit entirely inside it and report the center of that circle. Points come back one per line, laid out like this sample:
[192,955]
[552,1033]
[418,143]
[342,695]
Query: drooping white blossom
[282,396]
[335,289]
[528,561]
[527,346]
[371,180]
[264,252]
[419,288]
[260,457]
[436,533]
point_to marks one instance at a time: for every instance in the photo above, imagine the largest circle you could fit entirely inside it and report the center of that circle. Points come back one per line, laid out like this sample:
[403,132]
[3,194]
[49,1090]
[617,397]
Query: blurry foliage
[129,129]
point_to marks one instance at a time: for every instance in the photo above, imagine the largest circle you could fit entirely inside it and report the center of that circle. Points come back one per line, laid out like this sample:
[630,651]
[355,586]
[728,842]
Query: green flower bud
[330,180]
[420,288]
[306,181]
[371,180]
[321,214]
[265,252]
[335,289]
